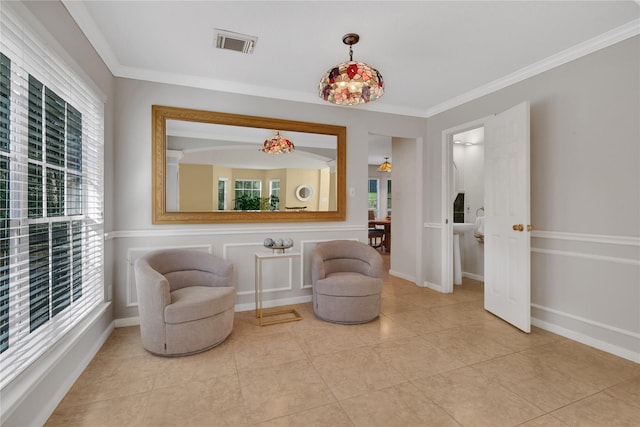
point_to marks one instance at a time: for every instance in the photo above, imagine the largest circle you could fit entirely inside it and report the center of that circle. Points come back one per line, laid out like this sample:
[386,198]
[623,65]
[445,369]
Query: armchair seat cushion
[349,284]
[198,302]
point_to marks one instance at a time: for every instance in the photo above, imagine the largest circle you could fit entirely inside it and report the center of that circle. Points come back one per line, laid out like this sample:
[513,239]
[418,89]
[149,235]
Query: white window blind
[51,198]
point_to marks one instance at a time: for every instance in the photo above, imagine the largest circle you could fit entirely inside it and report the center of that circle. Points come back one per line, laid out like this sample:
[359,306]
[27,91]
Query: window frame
[373,203]
[80,235]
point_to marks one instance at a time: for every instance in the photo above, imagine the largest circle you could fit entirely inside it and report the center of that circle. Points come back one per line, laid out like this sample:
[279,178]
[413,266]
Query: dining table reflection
[386,223]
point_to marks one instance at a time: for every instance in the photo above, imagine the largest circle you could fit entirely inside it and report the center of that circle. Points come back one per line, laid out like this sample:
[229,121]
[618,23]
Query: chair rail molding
[225,230]
[583,237]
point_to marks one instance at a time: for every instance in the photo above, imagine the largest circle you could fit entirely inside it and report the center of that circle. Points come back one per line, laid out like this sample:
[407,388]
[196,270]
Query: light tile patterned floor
[429,360]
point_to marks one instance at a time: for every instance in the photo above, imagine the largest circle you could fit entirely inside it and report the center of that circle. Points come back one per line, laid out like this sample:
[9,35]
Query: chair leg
[376,241]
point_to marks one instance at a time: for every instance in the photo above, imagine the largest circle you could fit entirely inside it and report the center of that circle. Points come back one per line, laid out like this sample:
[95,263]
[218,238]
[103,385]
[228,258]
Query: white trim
[434,286]
[446,204]
[289,256]
[602,41]
[403,276]
[446,207]
[246,229]
[227,246]
[587,256]
[473,276]
[586,339]
[432,225]
[583,237]
[126,322]
[419,173]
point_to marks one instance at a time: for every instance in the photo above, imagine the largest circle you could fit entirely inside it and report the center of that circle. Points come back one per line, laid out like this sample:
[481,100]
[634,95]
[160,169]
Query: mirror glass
[210,167]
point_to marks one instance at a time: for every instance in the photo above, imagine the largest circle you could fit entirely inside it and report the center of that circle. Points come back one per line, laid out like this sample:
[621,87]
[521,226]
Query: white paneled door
[507,241]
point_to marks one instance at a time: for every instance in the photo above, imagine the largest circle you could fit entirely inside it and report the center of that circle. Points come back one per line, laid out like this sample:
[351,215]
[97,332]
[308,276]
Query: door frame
[446,205]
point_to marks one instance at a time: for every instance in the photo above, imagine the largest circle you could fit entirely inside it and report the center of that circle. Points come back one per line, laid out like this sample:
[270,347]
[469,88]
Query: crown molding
[86,23]
[602,41]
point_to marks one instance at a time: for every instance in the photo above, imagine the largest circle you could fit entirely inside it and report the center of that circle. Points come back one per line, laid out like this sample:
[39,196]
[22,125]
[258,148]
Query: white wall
[134,233]
[407,199]
[585,194]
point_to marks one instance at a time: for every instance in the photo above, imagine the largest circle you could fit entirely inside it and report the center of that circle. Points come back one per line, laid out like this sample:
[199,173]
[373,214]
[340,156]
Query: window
[373,195]
[5,111]
[51,168]
[247,194]
[458,208]
[222,194]
[274,194]
[54,193]
[389,197]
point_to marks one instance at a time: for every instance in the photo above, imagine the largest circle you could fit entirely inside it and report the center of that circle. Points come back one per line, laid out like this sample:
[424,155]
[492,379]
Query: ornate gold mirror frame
[160,115]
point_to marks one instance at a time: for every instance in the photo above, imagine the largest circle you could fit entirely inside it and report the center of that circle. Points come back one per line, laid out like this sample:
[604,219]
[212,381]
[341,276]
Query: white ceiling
[432,54]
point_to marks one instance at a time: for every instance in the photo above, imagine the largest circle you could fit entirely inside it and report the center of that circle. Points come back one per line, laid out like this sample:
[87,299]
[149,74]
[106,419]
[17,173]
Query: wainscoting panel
[277,274]
[587,288]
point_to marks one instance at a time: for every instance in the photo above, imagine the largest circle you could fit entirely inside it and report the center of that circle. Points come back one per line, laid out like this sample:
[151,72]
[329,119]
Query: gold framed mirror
[210,167]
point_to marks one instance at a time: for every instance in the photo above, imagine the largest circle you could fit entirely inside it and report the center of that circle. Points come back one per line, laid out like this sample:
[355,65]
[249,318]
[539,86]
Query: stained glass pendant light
[352,82]
[386,166]
[278,144]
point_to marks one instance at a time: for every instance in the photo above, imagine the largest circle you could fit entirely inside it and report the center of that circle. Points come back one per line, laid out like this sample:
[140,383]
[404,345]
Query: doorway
[457,184]
[402,199]
[507,224]
[468,205]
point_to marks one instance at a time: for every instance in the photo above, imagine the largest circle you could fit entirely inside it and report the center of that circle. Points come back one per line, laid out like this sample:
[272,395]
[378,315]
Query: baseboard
[586,332]
[473,276]
[402,276]
[435,286]
[128,321]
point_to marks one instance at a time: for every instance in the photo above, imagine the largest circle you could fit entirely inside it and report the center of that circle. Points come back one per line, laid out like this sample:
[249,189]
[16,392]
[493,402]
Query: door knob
[529,227]
[518,227]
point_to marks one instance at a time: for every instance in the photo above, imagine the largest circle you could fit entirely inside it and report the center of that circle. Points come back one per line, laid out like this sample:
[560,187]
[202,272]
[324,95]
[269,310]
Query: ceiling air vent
[234,41]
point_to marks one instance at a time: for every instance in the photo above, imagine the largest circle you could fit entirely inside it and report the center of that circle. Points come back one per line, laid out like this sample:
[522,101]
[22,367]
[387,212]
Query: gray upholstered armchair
[347,283]
[186,301]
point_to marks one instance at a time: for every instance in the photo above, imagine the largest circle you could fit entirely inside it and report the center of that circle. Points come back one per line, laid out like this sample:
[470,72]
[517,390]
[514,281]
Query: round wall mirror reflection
[304,192]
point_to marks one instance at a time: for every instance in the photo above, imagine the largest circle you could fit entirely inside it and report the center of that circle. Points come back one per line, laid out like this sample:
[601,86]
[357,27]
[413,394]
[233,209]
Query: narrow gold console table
[260,314]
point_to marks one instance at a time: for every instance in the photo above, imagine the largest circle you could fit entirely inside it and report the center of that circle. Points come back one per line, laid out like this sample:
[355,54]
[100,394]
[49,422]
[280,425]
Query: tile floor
[429,360]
